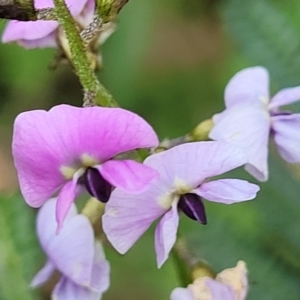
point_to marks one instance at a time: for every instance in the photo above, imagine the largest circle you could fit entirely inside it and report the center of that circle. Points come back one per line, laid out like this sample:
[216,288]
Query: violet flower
[74,253]
[230,284]
[251,117]
[42,34]
[182,183]
[68,148]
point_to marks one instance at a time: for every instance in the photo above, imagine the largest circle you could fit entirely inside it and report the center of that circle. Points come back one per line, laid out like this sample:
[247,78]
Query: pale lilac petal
[220,291]
[249,86]
[101,270]
[43,275]
[65,134]
[72,250]
[227,191]
[287,136]
[165,234]
[65,200]
[34,31]
[182,294]
[248,127]
[75,6]
[191,163]
[128,175]
[128,216]
[285,97]
[66,289]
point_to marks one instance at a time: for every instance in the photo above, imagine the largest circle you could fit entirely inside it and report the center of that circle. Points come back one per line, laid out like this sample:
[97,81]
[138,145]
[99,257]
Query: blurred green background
[169,61]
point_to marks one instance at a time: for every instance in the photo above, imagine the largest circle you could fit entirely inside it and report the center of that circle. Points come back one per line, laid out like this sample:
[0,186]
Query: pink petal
[128,216]
[227,191]
[220,291]
[43,275]
[165,234]
[192,163]
[66,289]
[75,6]
[72,250]
[65,200]
[182,294]
[287,136]
[285,97]
[248,86]
[247,127]
[128,175]
[101,270]
[63,135]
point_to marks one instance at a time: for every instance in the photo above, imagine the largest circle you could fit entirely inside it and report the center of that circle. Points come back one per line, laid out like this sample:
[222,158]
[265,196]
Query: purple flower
[42,34]
[230,284]
[251,117]
[68,148]
[75,253]
[182,183]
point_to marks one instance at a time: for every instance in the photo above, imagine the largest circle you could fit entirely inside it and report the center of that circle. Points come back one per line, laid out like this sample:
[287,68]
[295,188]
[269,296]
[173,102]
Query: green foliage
[19,249]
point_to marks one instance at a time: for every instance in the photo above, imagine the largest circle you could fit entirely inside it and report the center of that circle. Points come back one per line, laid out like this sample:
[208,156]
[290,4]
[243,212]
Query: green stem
[80,59]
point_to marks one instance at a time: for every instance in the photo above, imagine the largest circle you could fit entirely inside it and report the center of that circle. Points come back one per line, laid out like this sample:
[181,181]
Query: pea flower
[230,284]
[184,173]
[251,117]
[42,34]
[74,253]
[69,148]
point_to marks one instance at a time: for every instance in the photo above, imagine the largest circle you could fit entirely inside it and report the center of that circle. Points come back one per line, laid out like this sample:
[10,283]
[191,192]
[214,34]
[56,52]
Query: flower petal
[66,289]
[285,97]
[220,291]
[287,136]
[128,216]
[227,191]
[165,234]
[187,165]
[182,294]
[43,275]
[64,136]
[128,175]
[101,270]
[247,127]
[65,200]
[250,86]
[72,250]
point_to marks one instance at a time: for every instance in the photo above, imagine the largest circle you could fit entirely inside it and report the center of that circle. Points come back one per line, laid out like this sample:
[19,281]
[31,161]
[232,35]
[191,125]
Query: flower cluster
[67,151]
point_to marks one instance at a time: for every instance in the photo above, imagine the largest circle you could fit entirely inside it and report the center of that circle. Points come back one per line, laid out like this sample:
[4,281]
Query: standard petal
[186,166]
[66,289]
[43,275]
[128,175]
[128,216]
[65,200]
[248,86]
[285,97]
[165,234]
[227,191]
[286,130]
[182,294]
[248,127]
[101,270]
[72,250]
[64,136]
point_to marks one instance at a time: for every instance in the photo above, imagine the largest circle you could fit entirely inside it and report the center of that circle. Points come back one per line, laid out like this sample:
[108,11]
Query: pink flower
[42,34]
[182,183]
[251,117]
[230,284]
[75,253]
[69,148]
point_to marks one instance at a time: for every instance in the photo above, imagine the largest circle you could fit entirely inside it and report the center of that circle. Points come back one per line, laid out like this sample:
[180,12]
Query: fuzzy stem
[80,59]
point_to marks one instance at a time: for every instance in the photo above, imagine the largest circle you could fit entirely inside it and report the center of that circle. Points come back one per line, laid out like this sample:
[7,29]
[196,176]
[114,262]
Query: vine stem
[87,76]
